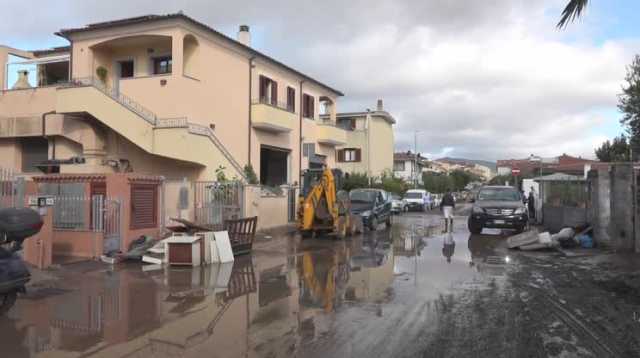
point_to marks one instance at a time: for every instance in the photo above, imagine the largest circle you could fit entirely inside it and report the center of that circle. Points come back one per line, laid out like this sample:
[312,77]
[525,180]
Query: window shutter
[262,88]
[353,123]
[312,103]
[340,155]
[144,204]
[274,93]
[358,154]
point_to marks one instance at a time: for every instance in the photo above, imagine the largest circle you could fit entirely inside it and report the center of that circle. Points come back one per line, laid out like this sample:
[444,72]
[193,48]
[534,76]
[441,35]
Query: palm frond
[572,11]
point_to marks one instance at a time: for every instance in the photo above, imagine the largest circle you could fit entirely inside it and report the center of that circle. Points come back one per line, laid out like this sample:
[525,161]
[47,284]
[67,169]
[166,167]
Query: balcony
[272,118]
[329,134]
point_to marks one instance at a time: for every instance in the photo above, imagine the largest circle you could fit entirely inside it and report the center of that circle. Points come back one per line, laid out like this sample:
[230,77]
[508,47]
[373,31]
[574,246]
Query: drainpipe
[44,134]
[300,144]
[251,65]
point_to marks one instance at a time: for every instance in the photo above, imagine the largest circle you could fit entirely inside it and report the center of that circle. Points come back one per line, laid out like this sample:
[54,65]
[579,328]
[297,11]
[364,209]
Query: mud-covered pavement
[408,291]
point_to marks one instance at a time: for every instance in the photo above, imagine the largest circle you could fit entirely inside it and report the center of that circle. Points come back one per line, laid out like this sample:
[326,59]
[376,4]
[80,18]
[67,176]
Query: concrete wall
[613,208]
[621,228]
[600,209]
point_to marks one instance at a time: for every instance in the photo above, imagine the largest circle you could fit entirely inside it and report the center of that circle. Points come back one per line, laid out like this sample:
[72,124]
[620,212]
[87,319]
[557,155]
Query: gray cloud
[486,79]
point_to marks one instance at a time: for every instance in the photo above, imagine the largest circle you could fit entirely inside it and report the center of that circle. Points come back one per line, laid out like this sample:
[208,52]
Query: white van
[418,199]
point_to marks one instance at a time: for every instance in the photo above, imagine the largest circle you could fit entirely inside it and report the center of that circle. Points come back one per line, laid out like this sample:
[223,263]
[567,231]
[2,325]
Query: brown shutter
[262,88]
[358,154]
[340,155]
[312,102]
[274,93]
[353,123]
[144,204]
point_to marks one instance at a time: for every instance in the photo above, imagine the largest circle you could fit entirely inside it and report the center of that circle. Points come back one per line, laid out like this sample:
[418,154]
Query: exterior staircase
[116,110]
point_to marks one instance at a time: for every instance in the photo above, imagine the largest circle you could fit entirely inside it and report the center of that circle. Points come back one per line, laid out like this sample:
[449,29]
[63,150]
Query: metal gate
[216,202]
[291,204]
[107,218]
[8,188]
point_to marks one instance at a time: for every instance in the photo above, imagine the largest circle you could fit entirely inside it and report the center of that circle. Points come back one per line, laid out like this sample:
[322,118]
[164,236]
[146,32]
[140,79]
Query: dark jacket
[447,200]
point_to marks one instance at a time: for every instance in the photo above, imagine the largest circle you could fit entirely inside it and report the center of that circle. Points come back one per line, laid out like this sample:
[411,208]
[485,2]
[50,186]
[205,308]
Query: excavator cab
[312,177]
[324,207]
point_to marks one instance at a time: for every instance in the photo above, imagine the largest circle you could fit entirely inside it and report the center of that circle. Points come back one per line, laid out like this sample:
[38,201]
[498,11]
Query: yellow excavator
[324,209]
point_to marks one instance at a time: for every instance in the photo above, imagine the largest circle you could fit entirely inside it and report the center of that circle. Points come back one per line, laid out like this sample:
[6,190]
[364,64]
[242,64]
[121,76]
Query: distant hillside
[486,163]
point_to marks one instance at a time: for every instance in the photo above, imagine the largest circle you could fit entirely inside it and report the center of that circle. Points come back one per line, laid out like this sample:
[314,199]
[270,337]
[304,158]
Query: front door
[124,69]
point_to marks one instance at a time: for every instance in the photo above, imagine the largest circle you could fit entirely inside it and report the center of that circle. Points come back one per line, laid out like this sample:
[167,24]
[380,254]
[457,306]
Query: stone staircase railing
[117,96]
[201,130]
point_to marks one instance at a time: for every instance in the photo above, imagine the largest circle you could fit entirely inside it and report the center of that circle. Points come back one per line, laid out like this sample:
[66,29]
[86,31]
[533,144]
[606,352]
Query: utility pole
[415,159]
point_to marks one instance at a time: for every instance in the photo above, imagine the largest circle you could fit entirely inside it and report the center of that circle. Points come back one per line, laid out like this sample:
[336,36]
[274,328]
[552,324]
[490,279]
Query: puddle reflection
[265,304]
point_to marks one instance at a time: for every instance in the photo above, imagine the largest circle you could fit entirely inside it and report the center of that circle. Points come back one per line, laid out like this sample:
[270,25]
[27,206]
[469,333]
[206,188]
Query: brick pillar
[38,249]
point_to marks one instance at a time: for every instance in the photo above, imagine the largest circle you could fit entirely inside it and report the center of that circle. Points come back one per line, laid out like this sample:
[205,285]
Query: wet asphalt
[404,291]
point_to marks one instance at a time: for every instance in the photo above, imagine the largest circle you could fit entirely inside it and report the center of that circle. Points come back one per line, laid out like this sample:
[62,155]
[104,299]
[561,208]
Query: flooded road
[400,292]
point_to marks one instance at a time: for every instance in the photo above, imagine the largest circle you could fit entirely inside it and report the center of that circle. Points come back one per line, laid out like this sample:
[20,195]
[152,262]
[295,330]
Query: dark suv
[498,207]
[372,205]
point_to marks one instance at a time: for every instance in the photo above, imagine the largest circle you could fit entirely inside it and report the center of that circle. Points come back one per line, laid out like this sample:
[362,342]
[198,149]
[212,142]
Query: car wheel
[373,224]
[7,300]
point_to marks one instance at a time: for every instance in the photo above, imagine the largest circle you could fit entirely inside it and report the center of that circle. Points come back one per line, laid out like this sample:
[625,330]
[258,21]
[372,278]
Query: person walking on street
[447,205]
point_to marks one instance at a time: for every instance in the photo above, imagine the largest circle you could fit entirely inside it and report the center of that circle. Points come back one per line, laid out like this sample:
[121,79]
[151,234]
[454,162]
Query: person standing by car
[447,205]
[531,204]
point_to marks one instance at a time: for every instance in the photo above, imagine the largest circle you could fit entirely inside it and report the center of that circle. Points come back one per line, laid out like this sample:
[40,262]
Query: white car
[418,199]
[398,205]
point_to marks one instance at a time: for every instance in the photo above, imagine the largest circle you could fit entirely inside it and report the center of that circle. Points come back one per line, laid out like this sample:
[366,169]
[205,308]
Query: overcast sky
[482,79]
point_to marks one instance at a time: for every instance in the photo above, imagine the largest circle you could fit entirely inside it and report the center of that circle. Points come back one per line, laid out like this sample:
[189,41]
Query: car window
[413,195]
[362,196]
[499,194]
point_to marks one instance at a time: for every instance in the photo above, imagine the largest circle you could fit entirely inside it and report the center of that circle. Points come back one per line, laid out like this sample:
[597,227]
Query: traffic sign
[515,171]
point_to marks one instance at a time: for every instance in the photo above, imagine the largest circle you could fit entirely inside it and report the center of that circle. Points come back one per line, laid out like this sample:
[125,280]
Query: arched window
[190,51]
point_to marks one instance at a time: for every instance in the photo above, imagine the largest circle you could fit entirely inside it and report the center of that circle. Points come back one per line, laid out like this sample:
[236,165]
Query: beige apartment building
[164,95]
[369,143]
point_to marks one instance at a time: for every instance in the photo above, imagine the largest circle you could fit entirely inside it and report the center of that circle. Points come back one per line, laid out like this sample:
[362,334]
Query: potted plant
[102,74]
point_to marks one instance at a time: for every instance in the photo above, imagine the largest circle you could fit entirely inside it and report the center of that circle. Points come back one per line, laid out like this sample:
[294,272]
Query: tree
[355,181]
[629,104]
[616,151]
[572,11]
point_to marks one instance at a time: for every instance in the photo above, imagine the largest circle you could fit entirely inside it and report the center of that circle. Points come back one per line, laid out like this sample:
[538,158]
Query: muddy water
[376,295]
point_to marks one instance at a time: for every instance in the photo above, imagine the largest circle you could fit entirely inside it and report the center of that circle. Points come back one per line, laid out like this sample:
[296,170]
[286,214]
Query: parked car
[398,205]
[418,199]
[498,207]
[373,205]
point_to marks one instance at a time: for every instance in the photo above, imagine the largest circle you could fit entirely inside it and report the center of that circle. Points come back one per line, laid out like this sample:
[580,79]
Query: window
[291,99]
[162,65]
[398,166]
[308,110]
[144,206]
[274,166]
[349,155]
[268,91]
[126,69]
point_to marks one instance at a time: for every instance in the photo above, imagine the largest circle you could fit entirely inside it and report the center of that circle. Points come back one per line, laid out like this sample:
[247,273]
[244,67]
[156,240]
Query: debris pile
[565,238]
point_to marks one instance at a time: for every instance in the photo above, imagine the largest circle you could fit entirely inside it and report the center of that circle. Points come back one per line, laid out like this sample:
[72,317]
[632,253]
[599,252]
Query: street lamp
[415,159]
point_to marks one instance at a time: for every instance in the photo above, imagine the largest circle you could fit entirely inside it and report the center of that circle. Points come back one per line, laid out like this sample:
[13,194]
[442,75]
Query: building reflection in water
[261,305]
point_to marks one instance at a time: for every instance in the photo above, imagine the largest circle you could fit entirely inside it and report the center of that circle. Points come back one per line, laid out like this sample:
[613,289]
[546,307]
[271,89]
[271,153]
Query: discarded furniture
[183,250]
[242,232]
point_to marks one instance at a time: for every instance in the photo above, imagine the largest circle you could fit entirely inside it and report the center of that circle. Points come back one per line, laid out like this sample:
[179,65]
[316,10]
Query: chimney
[23,80]
[380,107]
[244,36]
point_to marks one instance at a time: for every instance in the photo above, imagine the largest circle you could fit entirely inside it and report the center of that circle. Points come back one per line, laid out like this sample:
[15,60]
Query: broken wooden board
[525,238]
